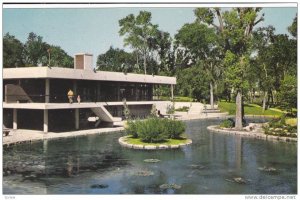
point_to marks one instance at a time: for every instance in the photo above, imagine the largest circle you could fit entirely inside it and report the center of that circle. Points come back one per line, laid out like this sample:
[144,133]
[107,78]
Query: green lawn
[177,99]
[137,141]
[250,109]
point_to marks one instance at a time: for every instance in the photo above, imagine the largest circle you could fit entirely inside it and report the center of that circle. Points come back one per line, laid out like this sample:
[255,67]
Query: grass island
[154,133]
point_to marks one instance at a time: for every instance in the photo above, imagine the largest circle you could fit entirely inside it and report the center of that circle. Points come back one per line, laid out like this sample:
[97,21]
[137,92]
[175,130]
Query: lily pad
[151,160]
[238,180]
[99,186]
[145,173]
[170,186]
[197,166]
[268,169]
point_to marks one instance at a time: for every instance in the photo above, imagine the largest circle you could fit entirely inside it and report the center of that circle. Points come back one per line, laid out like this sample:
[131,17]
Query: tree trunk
[211,95]
[264,100]
[239,111]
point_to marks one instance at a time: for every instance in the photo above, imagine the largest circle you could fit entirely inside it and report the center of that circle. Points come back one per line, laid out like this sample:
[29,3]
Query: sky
[94,30]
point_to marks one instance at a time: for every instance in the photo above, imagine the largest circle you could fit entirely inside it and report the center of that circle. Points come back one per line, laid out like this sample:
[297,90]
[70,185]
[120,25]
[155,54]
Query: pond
[97,164]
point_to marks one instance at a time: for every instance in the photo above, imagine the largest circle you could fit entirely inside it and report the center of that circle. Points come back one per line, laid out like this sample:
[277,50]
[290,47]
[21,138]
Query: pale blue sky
[95,30]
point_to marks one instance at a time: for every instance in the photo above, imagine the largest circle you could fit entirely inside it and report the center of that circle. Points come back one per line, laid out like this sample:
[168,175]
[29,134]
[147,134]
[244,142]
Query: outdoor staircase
[104,115]
[195,109]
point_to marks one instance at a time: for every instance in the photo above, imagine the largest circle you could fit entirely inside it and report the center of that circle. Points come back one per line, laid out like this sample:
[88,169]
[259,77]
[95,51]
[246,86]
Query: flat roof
[80,74]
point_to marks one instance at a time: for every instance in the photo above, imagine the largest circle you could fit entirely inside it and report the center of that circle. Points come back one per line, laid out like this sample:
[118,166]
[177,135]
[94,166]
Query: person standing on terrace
[70,96]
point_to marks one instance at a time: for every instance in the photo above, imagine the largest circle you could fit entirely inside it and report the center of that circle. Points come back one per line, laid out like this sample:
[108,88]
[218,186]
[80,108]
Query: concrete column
[47,90]
[45,121]
[77,118]
[15,119]
[172,94]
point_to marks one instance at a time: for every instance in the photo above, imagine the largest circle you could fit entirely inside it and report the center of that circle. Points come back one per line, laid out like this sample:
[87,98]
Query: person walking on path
[70,96]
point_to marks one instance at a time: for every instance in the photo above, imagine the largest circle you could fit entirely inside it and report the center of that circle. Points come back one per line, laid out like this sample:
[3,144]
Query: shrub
[227,123]
[151,130]
[183,109]
[132,128]
[279,127]
[173,128]
[155,130]
[170,109]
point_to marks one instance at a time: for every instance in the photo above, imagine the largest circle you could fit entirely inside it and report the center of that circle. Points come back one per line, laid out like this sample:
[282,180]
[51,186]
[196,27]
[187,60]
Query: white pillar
[172,94]
[47,90]
[77,118]
[15,119]
[45,121]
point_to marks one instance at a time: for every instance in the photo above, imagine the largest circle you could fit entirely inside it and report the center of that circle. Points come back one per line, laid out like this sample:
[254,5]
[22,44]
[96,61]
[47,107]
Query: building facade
[36,97]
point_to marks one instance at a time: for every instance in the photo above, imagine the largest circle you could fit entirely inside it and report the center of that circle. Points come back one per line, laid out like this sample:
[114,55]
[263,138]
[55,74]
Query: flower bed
[279,127]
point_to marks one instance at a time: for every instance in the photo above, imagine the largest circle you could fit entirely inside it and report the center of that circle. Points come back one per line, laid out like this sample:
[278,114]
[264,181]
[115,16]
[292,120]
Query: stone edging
[257,135]
[124,143]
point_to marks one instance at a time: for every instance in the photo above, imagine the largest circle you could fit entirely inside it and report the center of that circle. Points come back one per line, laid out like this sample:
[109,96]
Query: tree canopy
[33,53]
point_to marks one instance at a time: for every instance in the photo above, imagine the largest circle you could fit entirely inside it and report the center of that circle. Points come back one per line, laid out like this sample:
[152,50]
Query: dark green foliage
[193,82]
[13,51]
[117,60]
[34,52]
[288,93]
[152,130]
[227,123]
[155,130]
[173,129]
[132,128]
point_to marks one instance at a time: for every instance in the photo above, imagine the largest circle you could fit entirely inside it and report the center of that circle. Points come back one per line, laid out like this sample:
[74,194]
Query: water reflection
[98,165]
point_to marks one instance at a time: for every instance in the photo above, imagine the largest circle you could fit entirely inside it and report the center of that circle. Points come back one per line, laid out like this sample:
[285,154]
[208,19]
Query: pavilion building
[36,97]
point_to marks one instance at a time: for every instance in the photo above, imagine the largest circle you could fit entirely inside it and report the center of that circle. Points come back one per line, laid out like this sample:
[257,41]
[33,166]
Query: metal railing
[41,98]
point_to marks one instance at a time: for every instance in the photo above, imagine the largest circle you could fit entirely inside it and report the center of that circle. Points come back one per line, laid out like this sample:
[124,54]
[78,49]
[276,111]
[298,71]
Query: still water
[99,165]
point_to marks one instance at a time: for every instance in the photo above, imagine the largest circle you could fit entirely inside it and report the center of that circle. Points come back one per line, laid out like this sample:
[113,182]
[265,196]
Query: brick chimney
[83,61]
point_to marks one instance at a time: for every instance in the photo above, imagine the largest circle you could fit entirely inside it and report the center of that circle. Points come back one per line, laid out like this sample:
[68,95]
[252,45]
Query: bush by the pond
[151,130]
[155,130]
[132,127]
[173,129]
[279,127]
[227,123]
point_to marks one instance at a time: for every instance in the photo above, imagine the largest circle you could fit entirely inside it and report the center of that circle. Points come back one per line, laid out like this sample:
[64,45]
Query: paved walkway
[22,135]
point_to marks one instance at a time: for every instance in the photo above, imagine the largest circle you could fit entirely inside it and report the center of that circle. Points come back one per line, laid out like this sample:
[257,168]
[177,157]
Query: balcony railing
[40,98]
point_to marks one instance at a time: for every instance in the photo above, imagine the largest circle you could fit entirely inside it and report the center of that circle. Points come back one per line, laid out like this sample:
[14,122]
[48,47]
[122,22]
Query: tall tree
[36,50]
[235,28]
[59,58]
[293,28]
[13,52]
[139,31]
[162,44]
[202,44]
[117,60]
